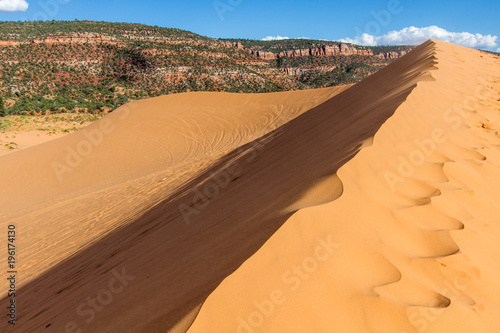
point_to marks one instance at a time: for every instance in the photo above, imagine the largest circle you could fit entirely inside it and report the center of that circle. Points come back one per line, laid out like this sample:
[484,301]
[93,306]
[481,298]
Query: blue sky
[317,19]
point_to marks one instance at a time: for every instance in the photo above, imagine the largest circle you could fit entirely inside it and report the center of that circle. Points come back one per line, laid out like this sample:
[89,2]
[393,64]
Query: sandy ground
[21,132]
[362,209]
[411,245]
[88,184]
[11,142]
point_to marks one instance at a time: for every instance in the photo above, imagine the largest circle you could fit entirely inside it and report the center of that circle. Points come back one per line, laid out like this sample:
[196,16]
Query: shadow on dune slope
[177,253]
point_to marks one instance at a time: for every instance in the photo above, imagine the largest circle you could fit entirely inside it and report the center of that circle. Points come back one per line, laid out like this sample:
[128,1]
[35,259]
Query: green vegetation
[390,48]
[51,124]
[494,53]
[29,30]
[277,46]
[329,71]
[84,66]
[11,145]
[2,107]
[98,66]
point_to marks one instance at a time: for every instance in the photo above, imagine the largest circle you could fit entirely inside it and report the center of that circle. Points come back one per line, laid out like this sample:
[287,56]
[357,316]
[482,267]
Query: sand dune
[99,178]
[367,209]
[413,235]
[69,192]
[148,136]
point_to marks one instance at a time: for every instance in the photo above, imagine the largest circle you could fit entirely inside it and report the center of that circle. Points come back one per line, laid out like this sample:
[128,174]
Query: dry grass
[52,124]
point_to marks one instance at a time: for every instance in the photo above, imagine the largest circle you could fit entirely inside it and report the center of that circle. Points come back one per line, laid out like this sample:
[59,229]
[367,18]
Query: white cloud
[415,36]
[274,38]
[13,5]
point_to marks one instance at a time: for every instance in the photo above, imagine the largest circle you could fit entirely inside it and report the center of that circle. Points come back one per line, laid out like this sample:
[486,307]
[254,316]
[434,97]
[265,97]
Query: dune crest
[368,208]
[412,235]
[70,194]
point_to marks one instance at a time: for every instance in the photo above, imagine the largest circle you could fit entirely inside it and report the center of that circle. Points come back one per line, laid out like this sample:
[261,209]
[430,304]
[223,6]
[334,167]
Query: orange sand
[364,209]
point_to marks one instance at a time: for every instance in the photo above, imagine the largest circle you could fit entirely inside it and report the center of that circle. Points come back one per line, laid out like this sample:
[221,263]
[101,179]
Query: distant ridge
[87,66]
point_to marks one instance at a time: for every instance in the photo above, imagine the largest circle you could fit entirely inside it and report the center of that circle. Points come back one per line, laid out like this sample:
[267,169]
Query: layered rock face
[391,55]
[71,39]
[325,50]
[90,38]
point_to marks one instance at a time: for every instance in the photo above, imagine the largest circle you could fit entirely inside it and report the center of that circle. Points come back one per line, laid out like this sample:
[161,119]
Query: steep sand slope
[412,243]
[67,193]
[149,225]
[147,136]
[84,185]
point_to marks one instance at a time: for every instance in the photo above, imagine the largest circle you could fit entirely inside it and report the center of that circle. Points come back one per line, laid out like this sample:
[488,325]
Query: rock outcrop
[90,39]
[78,39]
[321,51]
[325,50]
[391,55]
[6,43]
[298,72]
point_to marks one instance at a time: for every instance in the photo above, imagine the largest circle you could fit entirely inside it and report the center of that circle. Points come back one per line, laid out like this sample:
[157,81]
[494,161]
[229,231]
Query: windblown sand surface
[367,209]
[72,191]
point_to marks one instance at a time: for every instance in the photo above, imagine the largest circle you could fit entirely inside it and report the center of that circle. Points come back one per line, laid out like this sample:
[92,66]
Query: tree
[2,107]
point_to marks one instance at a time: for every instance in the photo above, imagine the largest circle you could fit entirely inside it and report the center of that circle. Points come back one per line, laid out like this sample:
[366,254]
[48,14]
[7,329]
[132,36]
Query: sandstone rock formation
[321,51]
